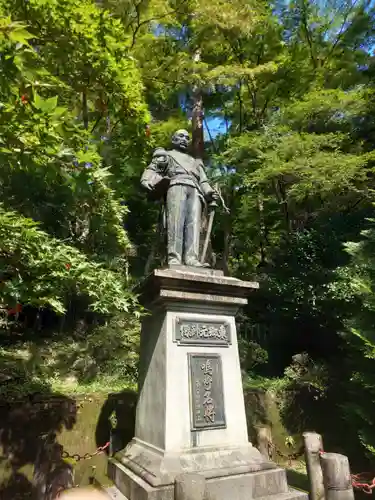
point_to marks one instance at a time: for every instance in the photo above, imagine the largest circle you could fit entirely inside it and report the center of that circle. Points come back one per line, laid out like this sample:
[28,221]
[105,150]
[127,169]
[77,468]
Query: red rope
[357,482]
[86,456]
[102,448]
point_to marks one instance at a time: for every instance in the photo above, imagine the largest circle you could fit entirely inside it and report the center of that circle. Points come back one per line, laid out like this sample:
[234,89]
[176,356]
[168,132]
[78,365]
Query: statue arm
[154,170]
[148,175]
[206,188]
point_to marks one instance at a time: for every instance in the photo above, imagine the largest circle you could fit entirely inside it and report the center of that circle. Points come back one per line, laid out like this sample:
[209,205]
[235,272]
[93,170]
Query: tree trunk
[198,148]
[85,112]
[228,225]
[280,193]
[197,116]
[263,230]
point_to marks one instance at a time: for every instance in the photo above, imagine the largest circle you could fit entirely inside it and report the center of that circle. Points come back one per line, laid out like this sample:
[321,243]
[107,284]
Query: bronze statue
[182,181]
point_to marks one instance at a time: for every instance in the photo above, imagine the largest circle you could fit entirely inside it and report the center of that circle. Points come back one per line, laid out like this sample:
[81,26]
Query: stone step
[292,494]
[255,485]
[115,494]
[266,484]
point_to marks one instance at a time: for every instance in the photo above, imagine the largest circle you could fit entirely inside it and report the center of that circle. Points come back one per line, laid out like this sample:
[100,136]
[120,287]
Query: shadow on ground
[37,432]
[297,480]
[31,454]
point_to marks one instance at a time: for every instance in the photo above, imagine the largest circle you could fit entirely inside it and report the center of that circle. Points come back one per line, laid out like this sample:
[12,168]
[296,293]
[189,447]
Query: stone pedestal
[190,412]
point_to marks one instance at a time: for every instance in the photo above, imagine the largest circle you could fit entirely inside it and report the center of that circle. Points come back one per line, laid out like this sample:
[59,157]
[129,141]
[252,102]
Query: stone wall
[80,425]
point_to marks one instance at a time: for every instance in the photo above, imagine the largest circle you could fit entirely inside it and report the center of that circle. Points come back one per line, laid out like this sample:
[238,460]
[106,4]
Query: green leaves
[307,151]
[41,271]
[61,222]
[19,35]
[15,32]
[47,106]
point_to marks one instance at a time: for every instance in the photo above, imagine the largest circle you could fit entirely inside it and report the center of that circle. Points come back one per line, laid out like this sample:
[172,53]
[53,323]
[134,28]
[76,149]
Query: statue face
[181,140]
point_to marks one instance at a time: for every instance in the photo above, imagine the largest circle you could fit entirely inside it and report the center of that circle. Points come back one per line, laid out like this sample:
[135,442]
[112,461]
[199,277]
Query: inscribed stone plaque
[206,386]
[216,333]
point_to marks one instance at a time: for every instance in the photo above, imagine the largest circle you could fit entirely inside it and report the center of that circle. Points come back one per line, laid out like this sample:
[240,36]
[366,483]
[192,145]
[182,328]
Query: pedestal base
[262,485]
[160,468]
[190,413]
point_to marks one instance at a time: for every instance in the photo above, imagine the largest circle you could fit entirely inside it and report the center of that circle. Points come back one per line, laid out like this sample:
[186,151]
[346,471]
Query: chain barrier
[77,458]
[363,481]
[53,490]
[292,456]
[87,456]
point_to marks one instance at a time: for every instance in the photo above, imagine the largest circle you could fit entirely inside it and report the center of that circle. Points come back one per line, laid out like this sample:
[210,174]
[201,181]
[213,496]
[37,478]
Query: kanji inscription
[202,333]
[207,399]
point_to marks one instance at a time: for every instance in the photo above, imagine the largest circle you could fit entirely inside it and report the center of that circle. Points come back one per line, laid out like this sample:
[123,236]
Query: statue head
[181,140]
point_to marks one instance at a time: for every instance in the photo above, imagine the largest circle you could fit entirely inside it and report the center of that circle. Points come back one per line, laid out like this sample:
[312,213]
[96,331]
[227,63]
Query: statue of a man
[182,179]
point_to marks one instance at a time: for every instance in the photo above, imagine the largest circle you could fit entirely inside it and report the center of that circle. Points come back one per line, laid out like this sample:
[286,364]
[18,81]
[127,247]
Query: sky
[216,126]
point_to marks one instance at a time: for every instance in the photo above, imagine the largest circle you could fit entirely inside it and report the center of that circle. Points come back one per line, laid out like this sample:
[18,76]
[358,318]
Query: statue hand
[161,161]
[212,205]
[213,196]
[160,157]
[147,186]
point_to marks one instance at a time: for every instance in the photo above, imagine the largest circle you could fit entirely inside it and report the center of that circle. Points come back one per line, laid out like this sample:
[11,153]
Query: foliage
[51,78]
[102,359]
[356,281]
[85,96]
[304,372]
[41,271]
[251,355]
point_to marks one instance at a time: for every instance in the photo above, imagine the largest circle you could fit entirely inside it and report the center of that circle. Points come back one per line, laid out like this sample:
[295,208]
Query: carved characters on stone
[198,412]
[197,332]
[207,392]
[208,402]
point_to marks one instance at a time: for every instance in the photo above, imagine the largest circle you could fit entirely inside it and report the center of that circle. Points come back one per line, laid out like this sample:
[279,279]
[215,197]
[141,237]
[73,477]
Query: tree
[51,78]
